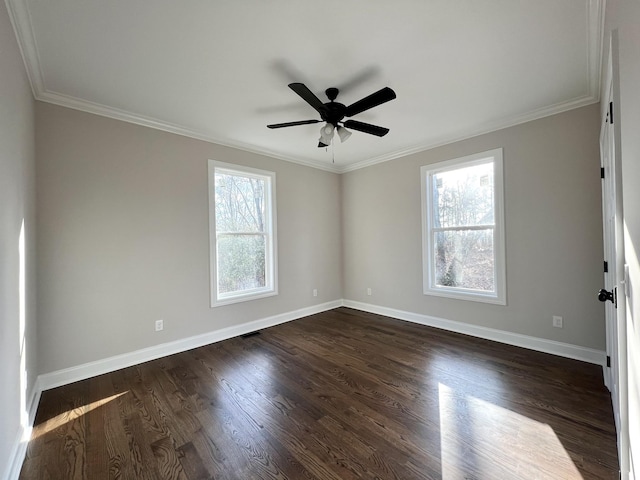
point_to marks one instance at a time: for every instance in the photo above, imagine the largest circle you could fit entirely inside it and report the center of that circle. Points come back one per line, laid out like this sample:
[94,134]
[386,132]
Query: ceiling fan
[333,113]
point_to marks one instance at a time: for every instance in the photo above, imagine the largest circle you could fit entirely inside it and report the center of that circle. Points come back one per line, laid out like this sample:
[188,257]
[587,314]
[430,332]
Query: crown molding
[21,21]
[466,134]
[126,116]
[595,45]
[595,40]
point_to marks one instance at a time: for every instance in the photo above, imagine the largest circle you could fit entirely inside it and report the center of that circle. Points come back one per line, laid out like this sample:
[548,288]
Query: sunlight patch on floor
[475,434]
[70,415]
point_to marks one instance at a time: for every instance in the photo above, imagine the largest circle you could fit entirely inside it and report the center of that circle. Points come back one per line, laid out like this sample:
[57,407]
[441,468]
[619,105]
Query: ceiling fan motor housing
[333,112]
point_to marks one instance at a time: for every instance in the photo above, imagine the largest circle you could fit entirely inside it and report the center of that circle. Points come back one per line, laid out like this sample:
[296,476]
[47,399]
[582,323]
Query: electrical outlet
[315,292]
[557,321]
[369,291]
[159,325]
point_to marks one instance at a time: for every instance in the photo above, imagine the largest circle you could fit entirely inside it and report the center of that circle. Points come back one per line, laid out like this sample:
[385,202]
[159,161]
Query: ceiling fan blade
[307,95]
[292,124]
[381,96]
[366,128]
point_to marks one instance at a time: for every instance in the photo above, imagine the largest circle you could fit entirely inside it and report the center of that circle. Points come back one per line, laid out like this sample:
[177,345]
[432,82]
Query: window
[463,228]
[242,219]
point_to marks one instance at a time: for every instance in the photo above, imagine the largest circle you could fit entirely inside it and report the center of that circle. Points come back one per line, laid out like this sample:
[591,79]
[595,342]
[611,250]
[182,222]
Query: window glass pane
[240,205]
[242,233]
[241,262]
[463,197]
[464,259]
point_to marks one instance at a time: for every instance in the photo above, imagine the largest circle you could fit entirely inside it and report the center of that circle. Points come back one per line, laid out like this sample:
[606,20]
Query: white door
[613,293]
[610,291]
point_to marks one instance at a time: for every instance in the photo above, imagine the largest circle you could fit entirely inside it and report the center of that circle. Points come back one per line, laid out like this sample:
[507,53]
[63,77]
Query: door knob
[604,295]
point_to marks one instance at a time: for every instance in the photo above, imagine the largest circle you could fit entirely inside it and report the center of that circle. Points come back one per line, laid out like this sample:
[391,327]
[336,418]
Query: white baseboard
[533,343]
[19,452]
[99,367]
[12,471]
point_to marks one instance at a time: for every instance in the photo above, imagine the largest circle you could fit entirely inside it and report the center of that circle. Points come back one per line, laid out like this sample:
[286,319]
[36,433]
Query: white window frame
[428,251]
[271,263]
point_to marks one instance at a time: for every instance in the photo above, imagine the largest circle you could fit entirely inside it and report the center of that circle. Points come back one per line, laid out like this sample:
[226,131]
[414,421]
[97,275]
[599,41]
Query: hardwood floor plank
[335,396]
[191,462]
[212,457]
[246,407]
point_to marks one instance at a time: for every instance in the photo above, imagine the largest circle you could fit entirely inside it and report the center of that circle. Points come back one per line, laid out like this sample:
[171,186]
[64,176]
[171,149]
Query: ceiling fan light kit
[326,133]
[343,133]
[334,112]
[328,129]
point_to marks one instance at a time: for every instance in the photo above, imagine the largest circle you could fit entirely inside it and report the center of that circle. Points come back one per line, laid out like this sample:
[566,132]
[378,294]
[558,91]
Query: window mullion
[467,227]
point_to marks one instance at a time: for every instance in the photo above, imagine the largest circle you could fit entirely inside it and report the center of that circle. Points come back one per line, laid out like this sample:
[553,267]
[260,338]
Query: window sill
[245,297]
[467,295]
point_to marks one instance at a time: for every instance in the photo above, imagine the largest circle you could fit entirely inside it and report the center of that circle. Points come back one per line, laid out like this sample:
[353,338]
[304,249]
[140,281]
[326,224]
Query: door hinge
[606,267]
[608,361]
[611,113]
[601,172]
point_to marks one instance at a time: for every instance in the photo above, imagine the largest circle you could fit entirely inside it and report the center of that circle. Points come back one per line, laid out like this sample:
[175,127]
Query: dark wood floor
[338,395]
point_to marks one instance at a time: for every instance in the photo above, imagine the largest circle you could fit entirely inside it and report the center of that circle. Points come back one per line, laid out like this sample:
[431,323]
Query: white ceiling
[218,70]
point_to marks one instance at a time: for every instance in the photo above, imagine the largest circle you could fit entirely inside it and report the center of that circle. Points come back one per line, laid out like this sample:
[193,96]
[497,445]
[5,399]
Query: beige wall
[124,237]
[624,16]
[16,204]
[553,231]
